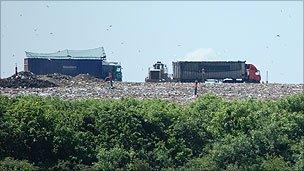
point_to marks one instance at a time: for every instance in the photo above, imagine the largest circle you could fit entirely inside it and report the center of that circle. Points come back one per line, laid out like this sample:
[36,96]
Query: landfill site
[85,86]
[81,74]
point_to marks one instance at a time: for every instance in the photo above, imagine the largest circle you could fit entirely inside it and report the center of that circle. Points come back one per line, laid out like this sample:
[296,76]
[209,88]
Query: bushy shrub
[130,134]
[9,164]
[111,159]
[275,163]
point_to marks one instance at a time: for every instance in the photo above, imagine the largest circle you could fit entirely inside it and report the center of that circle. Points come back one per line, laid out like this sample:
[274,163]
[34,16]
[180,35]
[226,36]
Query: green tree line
[45,133]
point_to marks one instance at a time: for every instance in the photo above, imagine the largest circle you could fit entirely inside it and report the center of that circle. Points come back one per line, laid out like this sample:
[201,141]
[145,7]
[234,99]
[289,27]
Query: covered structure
[72,62]
[96,53]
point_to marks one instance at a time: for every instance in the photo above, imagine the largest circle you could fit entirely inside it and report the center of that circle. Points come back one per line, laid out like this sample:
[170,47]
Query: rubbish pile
[177,92]
[85,79]
[58,79]
[25,80]
[86,86]
[65,80]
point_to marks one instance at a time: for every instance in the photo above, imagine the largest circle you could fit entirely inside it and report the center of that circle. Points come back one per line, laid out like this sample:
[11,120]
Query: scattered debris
[86,86]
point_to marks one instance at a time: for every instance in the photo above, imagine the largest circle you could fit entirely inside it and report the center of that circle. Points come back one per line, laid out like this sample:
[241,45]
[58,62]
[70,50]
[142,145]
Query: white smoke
[201,54]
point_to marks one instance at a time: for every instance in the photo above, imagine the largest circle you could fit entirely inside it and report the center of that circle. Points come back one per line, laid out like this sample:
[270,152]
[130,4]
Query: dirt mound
[66,80]
[25,80]
[85,77]
[58,76]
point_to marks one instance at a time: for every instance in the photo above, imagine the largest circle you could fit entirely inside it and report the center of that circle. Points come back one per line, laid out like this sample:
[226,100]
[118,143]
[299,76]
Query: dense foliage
[39,133]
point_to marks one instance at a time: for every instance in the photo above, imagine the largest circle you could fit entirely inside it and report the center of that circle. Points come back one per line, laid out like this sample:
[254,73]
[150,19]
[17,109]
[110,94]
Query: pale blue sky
[155,30]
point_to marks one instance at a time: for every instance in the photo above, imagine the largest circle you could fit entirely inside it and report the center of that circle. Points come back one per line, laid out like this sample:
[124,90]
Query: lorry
[224,71]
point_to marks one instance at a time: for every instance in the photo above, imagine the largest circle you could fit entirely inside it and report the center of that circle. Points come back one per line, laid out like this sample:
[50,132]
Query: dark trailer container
[72,62]
[72,67]
[190,71]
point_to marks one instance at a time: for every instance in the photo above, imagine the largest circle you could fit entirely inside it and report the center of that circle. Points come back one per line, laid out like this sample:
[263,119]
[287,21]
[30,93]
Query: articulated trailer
[226,71]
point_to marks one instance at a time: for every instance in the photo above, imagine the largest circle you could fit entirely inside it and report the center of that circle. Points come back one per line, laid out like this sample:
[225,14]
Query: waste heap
[25,80]
[56,78]
[85,86]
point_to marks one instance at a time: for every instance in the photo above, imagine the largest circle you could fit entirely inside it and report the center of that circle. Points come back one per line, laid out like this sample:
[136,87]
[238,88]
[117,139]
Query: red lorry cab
[252,73]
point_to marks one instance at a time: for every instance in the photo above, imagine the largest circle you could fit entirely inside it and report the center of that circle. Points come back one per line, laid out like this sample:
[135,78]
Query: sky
[138,34]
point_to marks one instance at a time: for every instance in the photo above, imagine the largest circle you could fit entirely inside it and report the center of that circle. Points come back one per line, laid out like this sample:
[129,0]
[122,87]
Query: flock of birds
[139,51]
